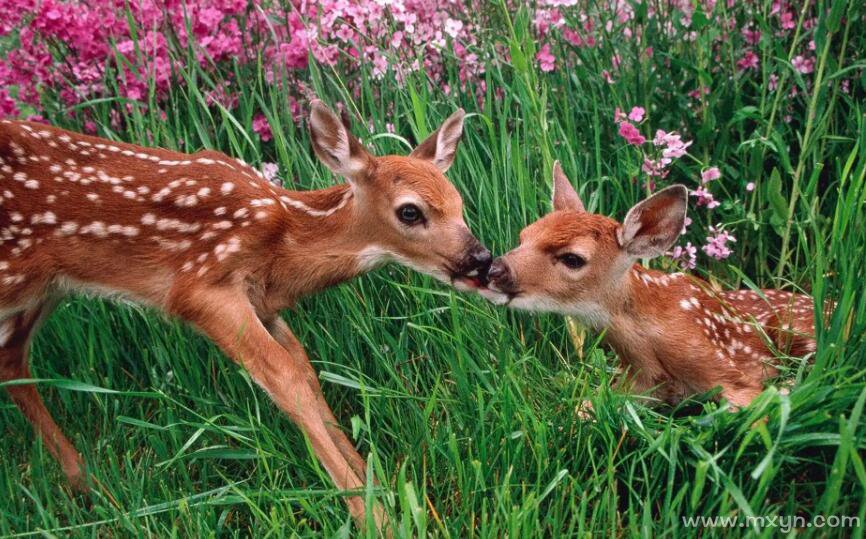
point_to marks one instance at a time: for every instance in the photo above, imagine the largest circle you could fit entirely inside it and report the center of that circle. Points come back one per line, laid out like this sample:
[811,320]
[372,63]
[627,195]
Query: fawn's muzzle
[472,269]
[500,278]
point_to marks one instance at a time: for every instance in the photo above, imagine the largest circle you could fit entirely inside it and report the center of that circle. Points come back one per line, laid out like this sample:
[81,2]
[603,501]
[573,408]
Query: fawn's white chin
[494,297]
[589,313]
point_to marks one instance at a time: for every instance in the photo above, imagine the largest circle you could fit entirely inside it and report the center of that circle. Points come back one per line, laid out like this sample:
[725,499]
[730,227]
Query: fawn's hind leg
[283,335]
[16,332]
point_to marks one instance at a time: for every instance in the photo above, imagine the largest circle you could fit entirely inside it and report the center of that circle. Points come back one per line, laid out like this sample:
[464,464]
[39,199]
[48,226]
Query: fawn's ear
[441,147]
[653,225]
[564,195]
[334,144]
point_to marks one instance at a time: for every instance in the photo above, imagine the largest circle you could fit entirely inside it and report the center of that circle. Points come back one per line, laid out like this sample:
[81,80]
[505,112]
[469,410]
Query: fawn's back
[76,209]
[743,328]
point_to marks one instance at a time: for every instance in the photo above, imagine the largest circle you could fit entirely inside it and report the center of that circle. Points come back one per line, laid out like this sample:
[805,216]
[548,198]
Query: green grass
[467,411]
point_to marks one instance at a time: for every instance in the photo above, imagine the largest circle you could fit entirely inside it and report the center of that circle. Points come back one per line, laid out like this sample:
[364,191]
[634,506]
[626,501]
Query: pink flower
[705,198]
[717,244]
[748,61]
[636,114]
[803,65]
[345,33]
[655,168]
[710,174]
[750,186]
[453,27]
[619,115]
[699,92]
[572,37]
[752,37]
[546,60]
[661,138]
[262,127]
[380,65]
[396,40]
[675,146]
[270,171]
[631,134]
[686,255]
[8,108]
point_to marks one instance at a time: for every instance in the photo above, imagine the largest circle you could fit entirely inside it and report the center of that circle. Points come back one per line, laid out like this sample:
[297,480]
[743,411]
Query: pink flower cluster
[627,130]
[667,147]
[717,243]
[69,49]
[702,193]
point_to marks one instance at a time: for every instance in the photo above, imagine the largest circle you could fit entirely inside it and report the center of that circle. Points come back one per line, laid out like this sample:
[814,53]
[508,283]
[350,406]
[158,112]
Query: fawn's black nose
[480,258]
[500,276]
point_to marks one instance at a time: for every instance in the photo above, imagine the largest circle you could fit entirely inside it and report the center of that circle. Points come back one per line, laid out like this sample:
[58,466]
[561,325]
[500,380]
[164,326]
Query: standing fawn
[675,335]
[205,238]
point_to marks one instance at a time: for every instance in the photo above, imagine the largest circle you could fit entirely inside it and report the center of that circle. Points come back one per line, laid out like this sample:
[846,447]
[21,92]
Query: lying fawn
[205,238]
[675,335]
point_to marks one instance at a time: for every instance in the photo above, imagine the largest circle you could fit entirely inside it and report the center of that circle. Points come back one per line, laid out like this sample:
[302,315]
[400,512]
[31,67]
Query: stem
[810,122]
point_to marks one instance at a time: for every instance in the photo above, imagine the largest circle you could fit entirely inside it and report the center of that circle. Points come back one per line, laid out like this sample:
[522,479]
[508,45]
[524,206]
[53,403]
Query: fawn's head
[408,211]
[571,261]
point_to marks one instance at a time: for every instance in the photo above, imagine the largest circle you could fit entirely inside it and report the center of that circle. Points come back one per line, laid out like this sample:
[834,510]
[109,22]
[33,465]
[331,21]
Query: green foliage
[467,411]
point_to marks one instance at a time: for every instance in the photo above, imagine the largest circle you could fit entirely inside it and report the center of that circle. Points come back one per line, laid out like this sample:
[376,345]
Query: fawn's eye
[571,260]
[410,214]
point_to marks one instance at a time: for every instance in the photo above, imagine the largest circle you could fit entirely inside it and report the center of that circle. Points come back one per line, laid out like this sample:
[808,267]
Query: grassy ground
[467,411]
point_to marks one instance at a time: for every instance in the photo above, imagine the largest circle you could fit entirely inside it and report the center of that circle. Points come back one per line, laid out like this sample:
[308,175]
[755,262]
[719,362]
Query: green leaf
[778,206]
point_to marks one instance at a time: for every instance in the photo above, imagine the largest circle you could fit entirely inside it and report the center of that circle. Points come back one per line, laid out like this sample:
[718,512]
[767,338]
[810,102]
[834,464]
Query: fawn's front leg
[280,331]
[227,317]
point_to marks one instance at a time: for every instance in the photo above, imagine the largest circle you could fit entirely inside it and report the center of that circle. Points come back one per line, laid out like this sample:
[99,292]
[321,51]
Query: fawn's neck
[645,305]
[323,240]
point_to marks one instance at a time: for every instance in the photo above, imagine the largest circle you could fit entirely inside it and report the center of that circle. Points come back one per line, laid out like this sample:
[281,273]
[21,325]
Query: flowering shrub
[68,49]
[63,57]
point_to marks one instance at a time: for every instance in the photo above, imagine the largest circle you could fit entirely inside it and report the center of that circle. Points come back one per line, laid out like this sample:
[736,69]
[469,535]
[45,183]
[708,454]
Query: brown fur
[674,334]
[206,238]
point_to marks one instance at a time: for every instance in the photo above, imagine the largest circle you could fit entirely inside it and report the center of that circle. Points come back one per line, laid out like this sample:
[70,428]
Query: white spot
[227,188]
[186,201]
[7,328]
[97,228]
[68,228]
[47,218]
